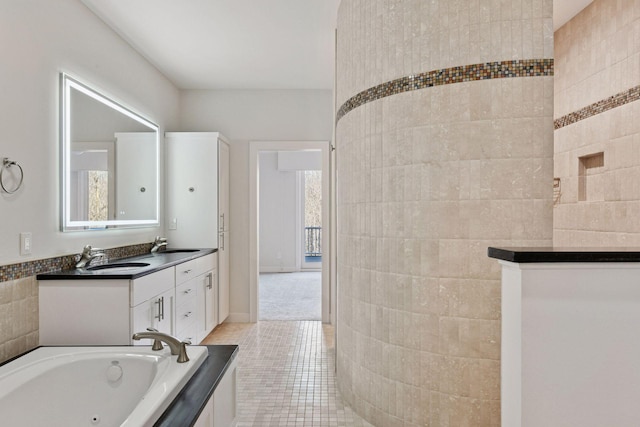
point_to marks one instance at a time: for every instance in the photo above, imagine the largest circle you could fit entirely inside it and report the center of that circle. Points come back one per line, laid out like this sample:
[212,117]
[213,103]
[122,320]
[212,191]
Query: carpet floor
[290,296]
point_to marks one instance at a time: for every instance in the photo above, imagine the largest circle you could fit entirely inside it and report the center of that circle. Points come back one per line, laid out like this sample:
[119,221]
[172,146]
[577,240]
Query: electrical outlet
[25,243]
[173,224]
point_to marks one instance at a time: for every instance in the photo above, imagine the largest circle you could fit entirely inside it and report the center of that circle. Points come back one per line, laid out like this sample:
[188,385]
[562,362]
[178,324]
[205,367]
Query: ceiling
[241,44]
[564,10]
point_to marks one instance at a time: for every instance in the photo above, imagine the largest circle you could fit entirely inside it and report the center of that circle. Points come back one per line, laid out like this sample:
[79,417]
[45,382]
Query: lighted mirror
[110,162]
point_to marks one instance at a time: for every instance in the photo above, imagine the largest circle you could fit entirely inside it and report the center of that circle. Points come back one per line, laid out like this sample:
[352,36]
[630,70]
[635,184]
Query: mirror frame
[67,83]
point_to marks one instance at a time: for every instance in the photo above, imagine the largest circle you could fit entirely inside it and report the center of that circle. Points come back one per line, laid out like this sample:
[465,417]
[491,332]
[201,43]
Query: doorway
[286,149]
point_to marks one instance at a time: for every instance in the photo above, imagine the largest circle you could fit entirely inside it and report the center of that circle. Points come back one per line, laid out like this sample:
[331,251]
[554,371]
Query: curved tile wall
[430,176]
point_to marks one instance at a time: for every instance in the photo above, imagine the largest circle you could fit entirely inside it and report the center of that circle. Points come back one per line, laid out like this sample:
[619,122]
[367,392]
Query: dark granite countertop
[157,261]
[188,404]
[551,254]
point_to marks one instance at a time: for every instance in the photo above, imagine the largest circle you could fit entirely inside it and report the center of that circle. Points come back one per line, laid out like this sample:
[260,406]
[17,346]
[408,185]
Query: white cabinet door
[207,304]
[158,313]
[142,318]
[210,301]
[223,277]
[223,186]
[192,189]
[163,317]
[224,237]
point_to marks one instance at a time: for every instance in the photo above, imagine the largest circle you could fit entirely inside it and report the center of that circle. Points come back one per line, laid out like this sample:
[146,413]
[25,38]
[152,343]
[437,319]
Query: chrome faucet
[177,347]
[88,255]
[160,242]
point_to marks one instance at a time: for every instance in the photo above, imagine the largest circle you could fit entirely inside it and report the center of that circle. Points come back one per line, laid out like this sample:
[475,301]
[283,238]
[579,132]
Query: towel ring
[6,164]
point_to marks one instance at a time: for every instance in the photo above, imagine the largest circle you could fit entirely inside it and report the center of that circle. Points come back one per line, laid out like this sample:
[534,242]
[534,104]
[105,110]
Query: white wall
[253,115]
[278,218]
[38,40]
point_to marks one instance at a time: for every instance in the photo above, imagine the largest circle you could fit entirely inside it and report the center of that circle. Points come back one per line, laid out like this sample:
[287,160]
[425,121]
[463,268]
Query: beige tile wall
[18,316]
[597,56]
[427,181]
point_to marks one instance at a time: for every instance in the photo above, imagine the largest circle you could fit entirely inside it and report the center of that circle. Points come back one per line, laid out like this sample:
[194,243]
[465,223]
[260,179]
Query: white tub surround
[570,341]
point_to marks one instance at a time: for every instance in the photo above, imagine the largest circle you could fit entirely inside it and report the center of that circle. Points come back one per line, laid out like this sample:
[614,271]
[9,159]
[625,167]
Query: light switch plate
[25,243]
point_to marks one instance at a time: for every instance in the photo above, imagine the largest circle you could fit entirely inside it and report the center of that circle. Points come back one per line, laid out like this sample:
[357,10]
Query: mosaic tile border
[65,262]
[601,106]
[445,76]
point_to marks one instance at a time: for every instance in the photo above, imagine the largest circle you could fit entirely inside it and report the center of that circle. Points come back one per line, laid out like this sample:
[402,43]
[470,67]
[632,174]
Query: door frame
[255,147]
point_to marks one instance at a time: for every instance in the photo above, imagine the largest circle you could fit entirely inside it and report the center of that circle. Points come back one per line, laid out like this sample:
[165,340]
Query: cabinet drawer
[186,314]
[190,269]
[188,291]
[148,286]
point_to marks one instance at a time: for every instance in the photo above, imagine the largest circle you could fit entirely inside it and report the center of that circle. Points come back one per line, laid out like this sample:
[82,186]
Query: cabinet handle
[222,221]
[188,314]
[187,271]
[160,303]
[187,291]
[210,278]
[222,245]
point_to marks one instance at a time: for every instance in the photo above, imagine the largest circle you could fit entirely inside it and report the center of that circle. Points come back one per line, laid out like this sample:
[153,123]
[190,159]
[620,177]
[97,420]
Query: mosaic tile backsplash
[65,262]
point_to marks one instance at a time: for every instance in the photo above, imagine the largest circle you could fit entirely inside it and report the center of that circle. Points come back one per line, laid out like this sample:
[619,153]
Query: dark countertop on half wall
[551,254]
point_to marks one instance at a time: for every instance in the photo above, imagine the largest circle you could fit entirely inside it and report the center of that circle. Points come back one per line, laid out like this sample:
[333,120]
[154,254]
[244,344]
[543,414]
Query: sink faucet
[160,242]
[177,347]
[88,255]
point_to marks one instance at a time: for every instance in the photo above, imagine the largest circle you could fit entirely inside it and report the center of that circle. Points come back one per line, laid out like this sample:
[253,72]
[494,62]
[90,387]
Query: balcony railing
[313,241]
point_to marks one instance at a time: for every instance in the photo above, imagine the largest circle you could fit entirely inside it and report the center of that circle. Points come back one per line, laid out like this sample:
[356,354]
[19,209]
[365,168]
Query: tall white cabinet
[198,200]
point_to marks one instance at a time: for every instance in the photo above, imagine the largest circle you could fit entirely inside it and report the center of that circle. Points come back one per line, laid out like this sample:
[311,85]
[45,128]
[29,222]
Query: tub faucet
[88,255]
[177,347]
[160,242]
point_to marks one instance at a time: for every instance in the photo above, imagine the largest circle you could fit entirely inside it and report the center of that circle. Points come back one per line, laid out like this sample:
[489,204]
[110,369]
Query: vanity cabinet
[88,312]
[178,300]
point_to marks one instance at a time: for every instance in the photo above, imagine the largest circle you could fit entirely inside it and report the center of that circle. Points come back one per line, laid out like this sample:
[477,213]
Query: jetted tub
[93,386]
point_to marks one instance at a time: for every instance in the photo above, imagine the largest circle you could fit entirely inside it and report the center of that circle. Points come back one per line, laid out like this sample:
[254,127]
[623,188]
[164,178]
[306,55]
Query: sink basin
[119,266]
[178,251]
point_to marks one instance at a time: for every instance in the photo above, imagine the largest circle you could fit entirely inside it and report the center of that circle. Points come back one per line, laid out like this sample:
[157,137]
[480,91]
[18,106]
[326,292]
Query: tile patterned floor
[286,374]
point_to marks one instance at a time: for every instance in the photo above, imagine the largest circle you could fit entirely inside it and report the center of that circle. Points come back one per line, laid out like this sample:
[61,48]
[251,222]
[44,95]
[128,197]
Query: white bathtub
[92,386]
